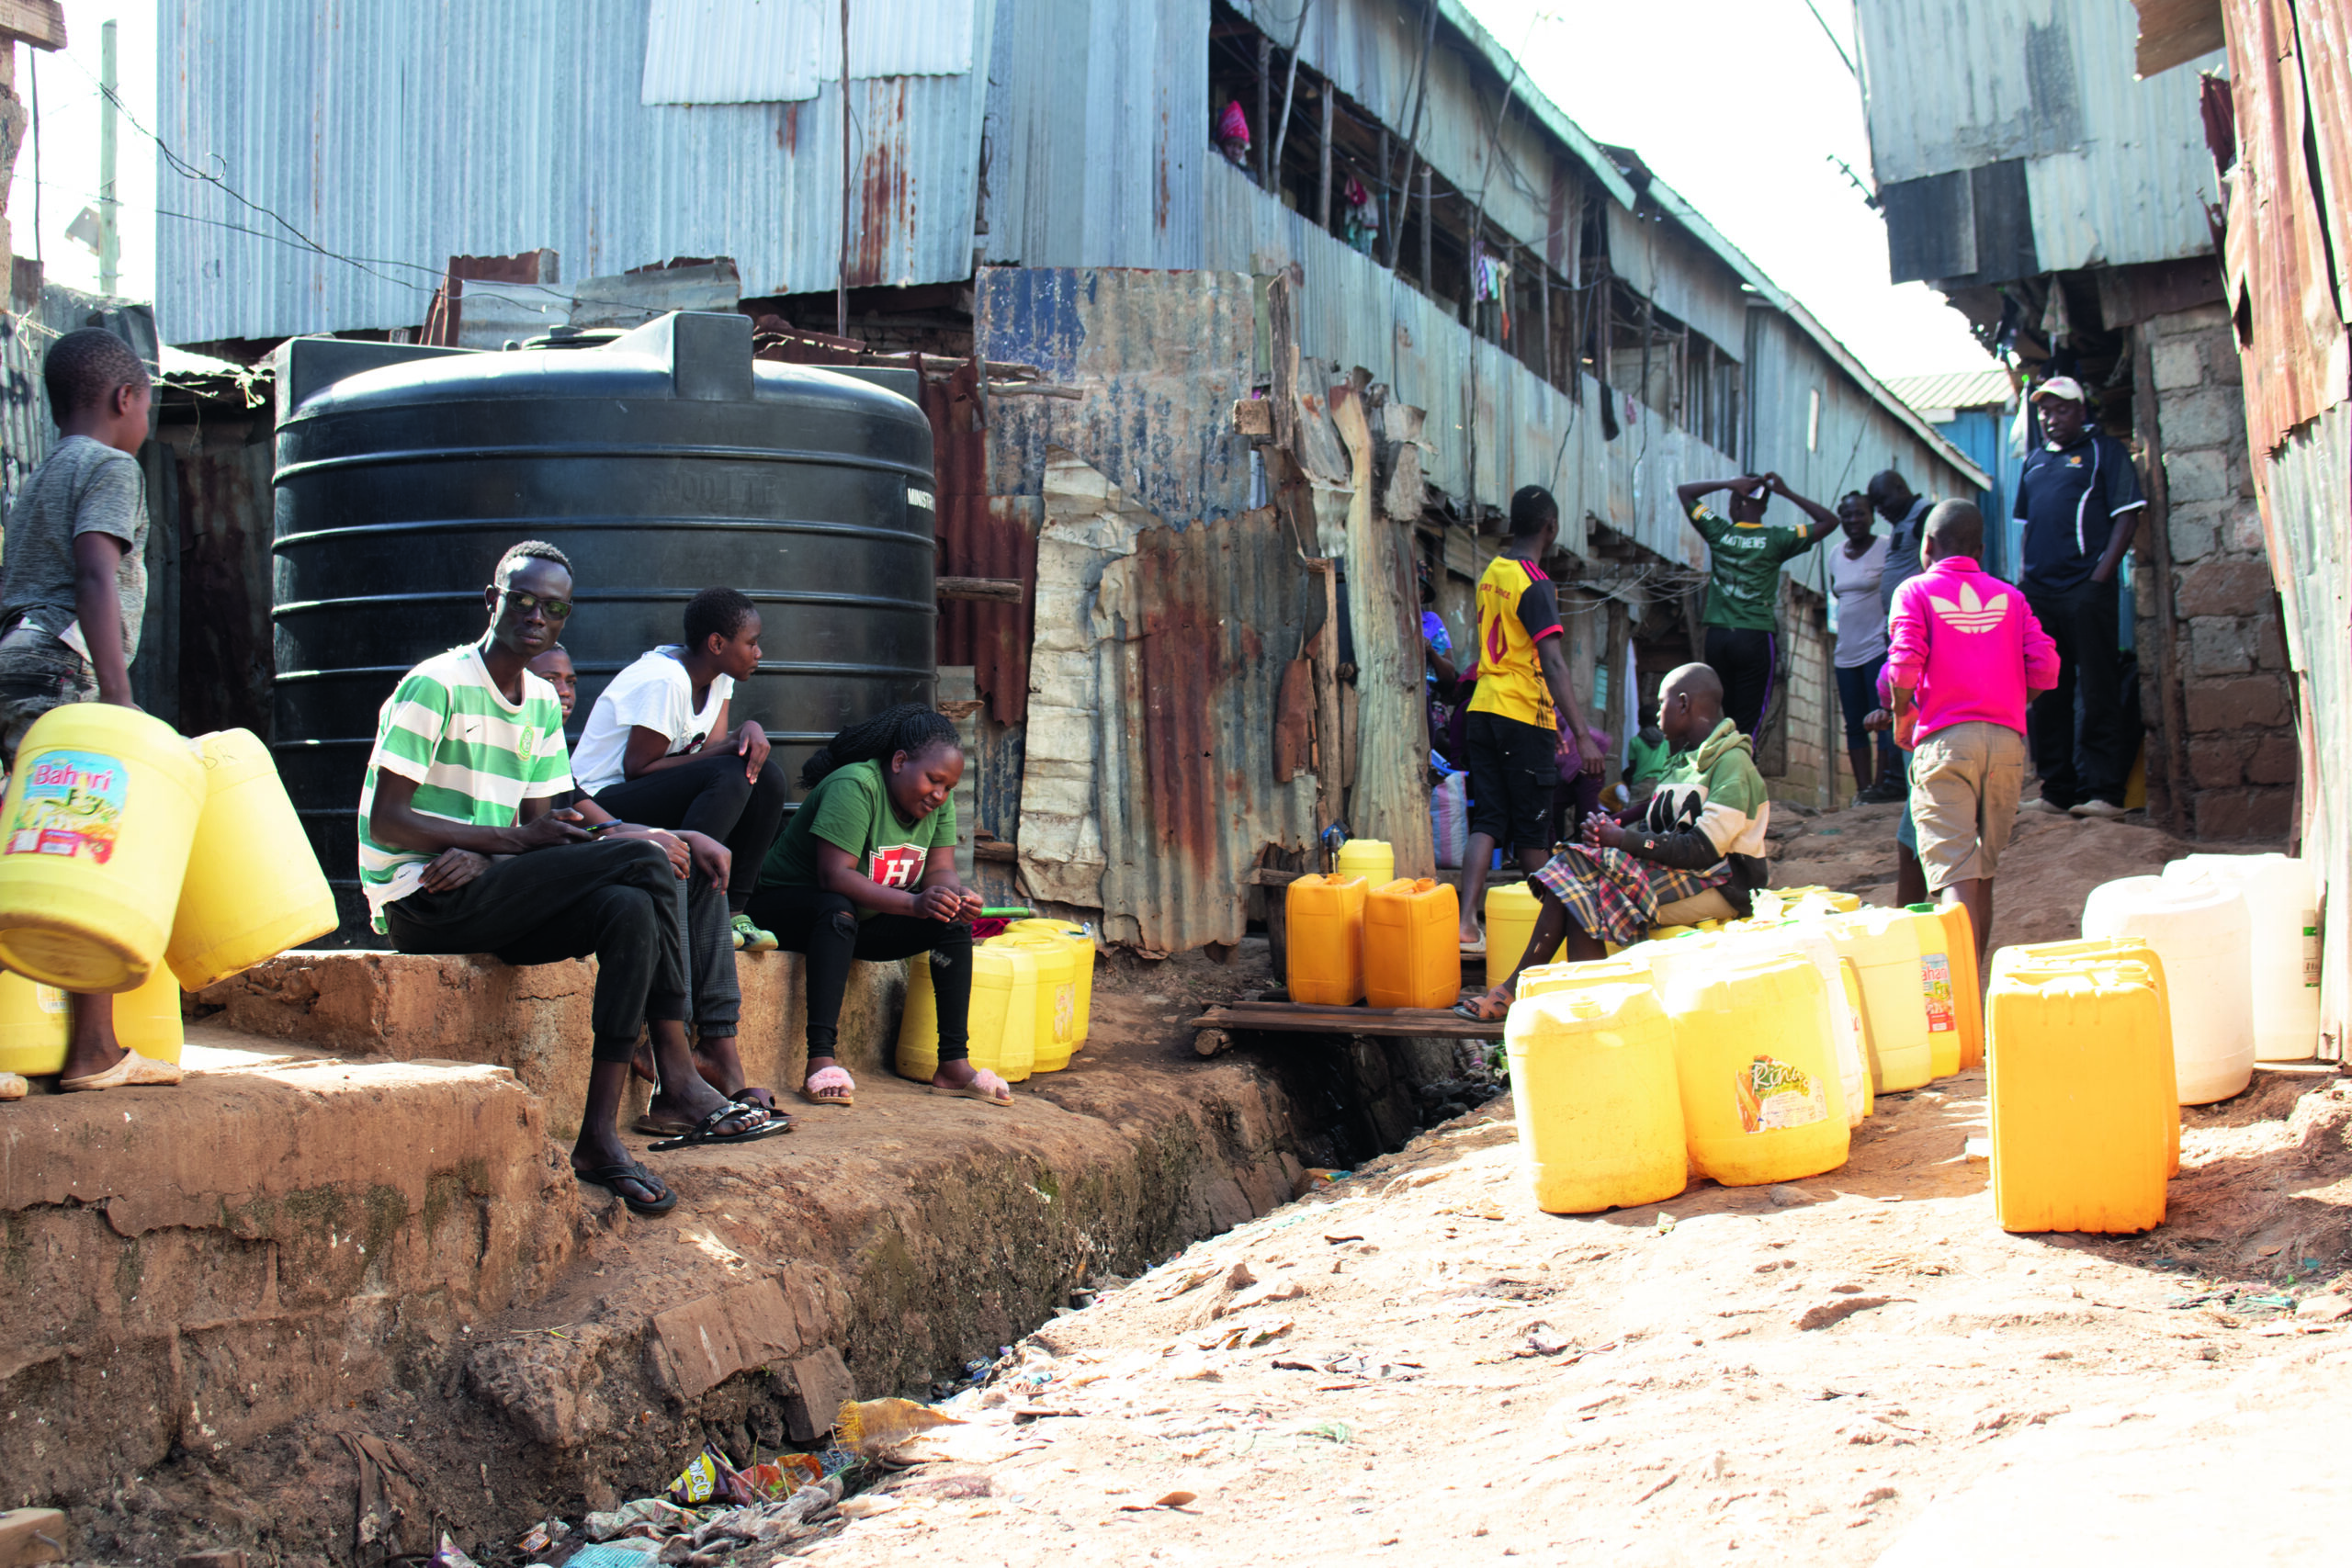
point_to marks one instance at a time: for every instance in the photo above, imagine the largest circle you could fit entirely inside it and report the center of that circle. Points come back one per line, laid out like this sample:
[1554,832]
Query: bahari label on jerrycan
[1593,1082]
[94,834]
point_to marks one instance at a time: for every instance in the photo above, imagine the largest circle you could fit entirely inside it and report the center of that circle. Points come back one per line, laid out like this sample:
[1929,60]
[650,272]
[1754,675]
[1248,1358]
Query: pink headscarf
[1233,125]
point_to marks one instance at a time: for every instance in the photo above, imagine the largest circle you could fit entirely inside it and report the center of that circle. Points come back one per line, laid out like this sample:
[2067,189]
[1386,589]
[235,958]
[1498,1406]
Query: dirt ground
[1415,1360]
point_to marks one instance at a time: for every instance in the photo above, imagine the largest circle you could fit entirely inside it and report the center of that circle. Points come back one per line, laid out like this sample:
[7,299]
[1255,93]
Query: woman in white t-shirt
[1854,570]
[658,750]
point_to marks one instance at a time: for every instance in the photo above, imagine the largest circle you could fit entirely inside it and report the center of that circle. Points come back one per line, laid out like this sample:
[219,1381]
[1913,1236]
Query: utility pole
[109,210]
[841,285]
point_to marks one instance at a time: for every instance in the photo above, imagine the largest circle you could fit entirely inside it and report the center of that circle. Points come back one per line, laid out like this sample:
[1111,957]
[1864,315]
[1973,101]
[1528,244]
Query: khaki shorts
[1708,904]
[1965,780]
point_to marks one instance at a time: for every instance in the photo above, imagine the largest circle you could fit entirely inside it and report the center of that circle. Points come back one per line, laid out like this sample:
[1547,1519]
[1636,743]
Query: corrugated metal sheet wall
[2116,167]
[1097,132]
[2306,488]
[485,129]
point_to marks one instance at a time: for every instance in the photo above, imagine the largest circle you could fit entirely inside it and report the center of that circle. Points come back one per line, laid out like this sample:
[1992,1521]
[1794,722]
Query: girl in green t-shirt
[867,869]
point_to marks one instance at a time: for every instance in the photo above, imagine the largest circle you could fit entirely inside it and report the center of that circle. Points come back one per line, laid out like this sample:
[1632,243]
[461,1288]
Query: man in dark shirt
[2080,501]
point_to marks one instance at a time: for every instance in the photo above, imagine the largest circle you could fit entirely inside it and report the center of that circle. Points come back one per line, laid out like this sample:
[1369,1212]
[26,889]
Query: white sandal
[134,1069]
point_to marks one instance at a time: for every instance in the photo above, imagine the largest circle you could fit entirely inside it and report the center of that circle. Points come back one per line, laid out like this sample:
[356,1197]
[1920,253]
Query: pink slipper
[829,1086]
[985,1086]
[132,1069]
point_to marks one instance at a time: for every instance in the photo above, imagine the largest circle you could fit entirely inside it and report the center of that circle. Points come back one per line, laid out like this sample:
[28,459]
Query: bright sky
[1658,78]
[68,131]
[1739,105]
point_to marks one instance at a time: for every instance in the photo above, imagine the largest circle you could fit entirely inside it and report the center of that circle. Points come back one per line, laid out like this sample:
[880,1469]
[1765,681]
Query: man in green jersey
[462,850]
[1743,583]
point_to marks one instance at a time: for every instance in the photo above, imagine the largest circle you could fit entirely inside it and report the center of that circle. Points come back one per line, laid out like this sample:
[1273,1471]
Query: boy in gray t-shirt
[73,589]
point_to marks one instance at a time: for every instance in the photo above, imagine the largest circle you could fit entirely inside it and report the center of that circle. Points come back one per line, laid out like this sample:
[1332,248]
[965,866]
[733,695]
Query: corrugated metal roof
[414,134]
[750,52]
[1955,390]
[2116,166]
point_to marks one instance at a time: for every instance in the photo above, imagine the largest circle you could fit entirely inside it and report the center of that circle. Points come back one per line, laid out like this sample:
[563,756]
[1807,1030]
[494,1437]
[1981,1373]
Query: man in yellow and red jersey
[1512,738]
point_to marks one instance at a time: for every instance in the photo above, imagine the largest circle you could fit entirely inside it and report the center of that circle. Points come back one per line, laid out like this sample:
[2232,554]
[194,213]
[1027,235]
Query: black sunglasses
[523,603]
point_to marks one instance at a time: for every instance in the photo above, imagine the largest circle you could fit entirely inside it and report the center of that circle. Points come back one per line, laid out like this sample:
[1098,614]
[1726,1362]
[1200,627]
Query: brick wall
[1809,761]
[2214,690]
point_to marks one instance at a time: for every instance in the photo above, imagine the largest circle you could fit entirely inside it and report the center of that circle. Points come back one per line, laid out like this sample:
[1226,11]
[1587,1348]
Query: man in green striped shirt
[461,850]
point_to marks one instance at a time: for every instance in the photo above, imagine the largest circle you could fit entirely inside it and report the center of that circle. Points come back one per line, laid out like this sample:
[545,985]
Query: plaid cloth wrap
[1615,896]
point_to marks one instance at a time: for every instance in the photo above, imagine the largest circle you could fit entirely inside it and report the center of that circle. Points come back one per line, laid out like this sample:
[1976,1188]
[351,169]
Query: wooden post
[1323,200]
[1265,109]
[1543,281]
[1381,203]
[1428,278]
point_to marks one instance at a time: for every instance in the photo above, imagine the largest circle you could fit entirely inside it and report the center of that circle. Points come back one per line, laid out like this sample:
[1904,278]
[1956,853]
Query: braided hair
[911,727]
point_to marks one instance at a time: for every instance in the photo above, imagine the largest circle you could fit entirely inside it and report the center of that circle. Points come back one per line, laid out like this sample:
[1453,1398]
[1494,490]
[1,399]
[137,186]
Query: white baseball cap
[2065,387]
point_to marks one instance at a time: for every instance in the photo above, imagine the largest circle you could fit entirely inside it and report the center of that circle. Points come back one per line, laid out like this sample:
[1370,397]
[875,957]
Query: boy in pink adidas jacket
[1964,656]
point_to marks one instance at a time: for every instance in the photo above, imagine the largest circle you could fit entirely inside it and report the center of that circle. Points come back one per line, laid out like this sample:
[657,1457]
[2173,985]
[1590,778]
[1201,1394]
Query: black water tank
[663,462]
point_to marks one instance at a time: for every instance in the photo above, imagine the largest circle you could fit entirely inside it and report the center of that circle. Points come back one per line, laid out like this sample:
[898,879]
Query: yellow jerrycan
[1762,1099]
[2093,952]
[1810,942]
[1081,951]
[1547,977]
[1967,981]
[36,1026]
[1055,1032]
[94,844]
[1600,1117]
[1511,908]
[1325,958]
[1371,859]
[1849,986]
[1939,991]
[253,888]
[147,1018]
[2078,1083]
[1884,947]
[1003,1021]
[1412,945]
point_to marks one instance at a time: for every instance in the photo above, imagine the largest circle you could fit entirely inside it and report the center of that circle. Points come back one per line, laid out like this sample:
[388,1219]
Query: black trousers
[824,928]
[1742,660]
[662,948]
[2077,728]
[710,795]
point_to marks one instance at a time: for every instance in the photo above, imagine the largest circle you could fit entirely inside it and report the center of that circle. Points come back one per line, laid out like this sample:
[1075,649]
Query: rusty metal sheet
[1151,787]
[2278,264]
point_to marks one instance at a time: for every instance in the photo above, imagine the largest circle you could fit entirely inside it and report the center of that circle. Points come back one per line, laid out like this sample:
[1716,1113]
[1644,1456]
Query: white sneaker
[2039,803]
[2097,808]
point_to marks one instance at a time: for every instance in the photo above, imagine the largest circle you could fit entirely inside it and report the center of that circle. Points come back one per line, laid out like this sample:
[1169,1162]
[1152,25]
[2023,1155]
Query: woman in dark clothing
[867,869]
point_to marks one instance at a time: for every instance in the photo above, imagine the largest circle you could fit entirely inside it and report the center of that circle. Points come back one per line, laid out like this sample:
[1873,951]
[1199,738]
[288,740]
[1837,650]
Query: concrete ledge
[192,1267]
[535,1020]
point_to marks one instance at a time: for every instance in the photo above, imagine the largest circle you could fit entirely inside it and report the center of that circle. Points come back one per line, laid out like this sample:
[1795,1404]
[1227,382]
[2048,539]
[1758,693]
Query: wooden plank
[1004,590]
[40,23]
[1298,1018]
